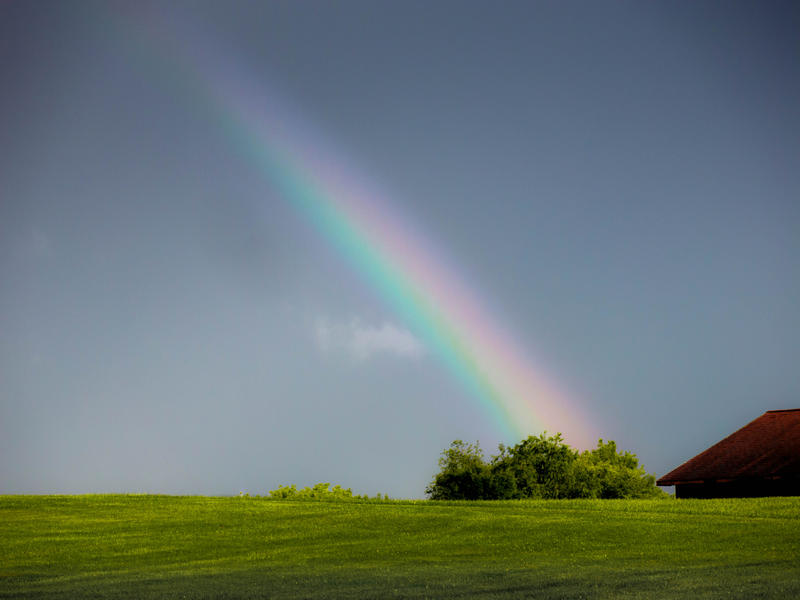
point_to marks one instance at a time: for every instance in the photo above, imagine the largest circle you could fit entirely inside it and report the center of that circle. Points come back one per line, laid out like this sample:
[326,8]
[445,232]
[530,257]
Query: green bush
[321,491]
[540,467]
[607,473]
[464,475]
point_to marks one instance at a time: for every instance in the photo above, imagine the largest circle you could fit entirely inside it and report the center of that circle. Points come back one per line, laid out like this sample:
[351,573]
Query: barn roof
[767,447]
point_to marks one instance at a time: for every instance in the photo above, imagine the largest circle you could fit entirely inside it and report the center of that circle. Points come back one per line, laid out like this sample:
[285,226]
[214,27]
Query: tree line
[540,467]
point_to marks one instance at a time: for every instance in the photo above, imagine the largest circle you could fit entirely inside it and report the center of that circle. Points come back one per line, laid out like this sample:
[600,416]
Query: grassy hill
[200,547]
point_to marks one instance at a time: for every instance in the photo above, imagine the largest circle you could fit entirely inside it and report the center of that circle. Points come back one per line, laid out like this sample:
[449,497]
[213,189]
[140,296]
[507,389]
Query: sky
[248,244]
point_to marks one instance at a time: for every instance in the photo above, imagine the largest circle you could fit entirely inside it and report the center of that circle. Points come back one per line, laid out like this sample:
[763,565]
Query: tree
[611,474]
[463,474]
[540,467]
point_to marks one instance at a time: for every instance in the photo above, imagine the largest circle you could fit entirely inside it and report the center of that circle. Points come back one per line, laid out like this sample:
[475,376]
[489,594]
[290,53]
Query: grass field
[200,547]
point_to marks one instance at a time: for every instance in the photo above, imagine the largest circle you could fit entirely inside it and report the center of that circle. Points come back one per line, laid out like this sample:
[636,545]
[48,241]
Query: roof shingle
[765,448]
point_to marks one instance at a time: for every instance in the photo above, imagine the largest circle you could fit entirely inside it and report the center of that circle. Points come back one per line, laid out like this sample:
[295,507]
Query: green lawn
[199,547]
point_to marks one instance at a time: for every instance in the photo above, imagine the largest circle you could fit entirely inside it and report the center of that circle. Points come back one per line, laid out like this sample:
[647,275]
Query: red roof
[768,447]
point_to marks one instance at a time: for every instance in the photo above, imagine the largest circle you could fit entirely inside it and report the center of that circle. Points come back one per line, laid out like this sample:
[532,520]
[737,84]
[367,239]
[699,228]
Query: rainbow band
[394,259]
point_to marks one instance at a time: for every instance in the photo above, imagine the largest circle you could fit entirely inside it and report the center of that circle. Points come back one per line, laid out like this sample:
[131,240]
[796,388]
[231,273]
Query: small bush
[321,491]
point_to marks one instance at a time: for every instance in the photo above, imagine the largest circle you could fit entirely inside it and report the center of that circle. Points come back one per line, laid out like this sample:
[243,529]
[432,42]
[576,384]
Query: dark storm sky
[620,181]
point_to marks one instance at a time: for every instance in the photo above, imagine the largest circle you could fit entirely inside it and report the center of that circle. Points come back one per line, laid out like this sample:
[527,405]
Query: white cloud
[32,244]
[40,243]
[362,342]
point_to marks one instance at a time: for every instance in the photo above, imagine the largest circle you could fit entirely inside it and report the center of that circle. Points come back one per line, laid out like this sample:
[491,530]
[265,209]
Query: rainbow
[409,274]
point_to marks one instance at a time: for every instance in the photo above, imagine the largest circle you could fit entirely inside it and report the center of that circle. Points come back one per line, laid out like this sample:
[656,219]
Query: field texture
[198,547]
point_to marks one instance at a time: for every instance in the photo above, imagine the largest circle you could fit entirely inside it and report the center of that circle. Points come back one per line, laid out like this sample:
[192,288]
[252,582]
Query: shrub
[611,474]
[321,491]
[542,467]
[463,474]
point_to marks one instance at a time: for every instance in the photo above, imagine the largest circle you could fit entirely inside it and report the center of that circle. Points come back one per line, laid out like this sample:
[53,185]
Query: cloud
[31,244]
[362,342]
[40,243]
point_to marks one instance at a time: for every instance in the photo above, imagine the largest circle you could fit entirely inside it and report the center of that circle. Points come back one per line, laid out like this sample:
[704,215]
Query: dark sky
[619,181]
